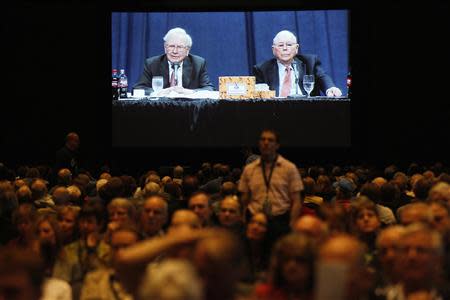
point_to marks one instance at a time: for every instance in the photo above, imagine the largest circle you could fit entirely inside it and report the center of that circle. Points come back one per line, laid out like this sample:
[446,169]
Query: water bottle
[123,84]
[349,84]
[115,85]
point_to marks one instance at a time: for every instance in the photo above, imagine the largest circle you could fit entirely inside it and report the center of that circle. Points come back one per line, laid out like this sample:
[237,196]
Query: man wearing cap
[344,191]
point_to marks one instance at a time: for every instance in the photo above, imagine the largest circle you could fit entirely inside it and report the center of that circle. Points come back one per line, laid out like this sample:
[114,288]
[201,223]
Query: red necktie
[172,77]
[286,88]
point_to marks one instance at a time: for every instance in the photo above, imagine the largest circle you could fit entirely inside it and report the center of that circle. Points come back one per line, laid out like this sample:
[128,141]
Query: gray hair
[436,238]
[177,31]
[121,202]
[285,33]
[426,215]
[173,279]
[399,229]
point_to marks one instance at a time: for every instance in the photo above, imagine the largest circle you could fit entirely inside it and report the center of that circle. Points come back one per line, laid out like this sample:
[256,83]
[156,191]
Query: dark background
[56,68]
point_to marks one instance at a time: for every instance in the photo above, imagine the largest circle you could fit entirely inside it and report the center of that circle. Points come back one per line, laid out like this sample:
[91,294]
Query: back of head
[61,196]
[335,215]
[343,248]
[64,177]
[218,260]
[173,189]
[228,188]
[172,279]
[178,172]
[21,273]
[421,188]
[129,185]
[24,194]
[38,189]
[344,255]
[292,246]
[389,193]
[309,185]
[112,189]
[311,226]
[184,218]
[390,171]
[151,188]
[33,173]
[371,191]
[344,188]
[190,185]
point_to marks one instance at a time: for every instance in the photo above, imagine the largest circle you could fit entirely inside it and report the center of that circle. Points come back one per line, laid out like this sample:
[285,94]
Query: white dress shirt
[179,73]
[282,74]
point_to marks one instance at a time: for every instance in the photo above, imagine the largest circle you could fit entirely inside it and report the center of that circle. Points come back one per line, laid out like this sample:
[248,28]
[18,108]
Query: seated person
[104,283]
[182,72]
[288,67]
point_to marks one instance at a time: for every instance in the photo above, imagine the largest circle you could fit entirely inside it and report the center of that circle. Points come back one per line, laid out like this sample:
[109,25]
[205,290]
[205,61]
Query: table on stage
[301,122]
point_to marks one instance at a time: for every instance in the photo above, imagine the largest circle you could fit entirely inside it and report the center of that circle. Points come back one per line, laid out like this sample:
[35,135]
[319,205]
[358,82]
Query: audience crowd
[362,233]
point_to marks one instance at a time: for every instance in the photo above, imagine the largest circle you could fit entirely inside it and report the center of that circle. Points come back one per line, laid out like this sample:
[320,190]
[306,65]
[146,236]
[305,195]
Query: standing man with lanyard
[272,185]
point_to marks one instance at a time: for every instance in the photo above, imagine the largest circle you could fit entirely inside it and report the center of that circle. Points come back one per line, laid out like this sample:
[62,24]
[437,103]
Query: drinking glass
[308,84]
[157,84]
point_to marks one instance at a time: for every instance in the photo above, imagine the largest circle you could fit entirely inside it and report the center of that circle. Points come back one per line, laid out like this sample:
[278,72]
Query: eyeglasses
[178,47]
[287,45]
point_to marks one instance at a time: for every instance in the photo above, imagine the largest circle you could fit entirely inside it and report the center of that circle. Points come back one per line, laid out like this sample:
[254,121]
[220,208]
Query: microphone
[295,67]
[175,67]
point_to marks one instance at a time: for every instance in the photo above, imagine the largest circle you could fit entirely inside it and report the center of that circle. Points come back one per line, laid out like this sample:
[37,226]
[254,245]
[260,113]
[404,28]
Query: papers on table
[195,95]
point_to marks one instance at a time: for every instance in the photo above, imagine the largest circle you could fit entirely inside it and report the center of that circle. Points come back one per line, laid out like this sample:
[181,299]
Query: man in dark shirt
[67,156]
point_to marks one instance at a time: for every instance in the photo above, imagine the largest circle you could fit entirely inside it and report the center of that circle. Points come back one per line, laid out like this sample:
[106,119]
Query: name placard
[237,87]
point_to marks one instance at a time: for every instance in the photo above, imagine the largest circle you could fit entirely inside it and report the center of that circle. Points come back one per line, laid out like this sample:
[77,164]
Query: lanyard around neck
[267,179]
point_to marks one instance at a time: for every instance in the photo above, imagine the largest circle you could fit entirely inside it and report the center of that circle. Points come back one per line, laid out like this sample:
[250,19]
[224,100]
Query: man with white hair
[285,72]
[182,72]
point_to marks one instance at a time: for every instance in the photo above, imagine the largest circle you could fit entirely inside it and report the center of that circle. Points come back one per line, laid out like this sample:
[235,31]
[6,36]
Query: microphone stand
[296,95]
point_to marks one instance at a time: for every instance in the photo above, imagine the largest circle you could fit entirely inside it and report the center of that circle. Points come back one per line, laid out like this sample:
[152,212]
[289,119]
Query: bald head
[23,194]
[64,177]
[228,188]
[379,181]
[38,189]
[343,248]
[61,195]
[311,226]
[415,212]
[284,35]
[347,252]
[387,245]
[184,217]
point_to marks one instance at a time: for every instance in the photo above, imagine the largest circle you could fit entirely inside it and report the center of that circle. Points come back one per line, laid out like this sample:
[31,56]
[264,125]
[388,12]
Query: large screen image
[236,45]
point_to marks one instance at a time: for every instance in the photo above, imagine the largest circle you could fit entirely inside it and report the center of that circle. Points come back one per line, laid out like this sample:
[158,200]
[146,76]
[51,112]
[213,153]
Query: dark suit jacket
[195,75]
[267,72]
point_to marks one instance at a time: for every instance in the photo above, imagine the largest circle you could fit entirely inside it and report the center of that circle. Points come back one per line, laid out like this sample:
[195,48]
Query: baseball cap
[345,184]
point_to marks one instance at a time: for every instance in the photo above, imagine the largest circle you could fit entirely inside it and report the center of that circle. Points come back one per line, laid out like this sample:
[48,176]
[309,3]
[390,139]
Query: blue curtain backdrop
[232,42]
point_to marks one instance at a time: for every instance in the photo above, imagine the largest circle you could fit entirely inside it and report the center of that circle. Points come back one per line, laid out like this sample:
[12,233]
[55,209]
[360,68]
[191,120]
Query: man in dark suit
[284,73]
[182,72]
